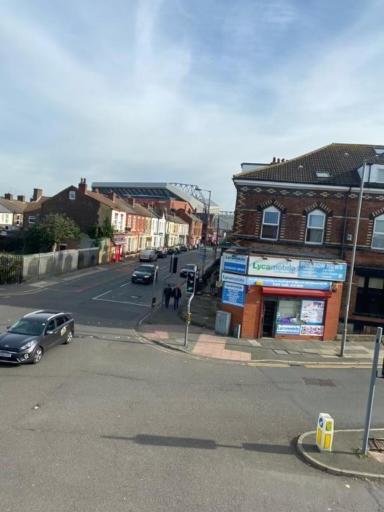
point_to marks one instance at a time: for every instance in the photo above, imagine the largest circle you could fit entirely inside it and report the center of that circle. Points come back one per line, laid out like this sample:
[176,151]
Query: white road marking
[123,302]
[101,294]
[125,284]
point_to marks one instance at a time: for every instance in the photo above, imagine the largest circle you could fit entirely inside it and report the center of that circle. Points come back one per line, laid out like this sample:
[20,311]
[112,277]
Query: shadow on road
[204,444]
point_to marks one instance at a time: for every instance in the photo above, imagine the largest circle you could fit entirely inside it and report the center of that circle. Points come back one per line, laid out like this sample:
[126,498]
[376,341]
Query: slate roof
[340,160]
[13,206]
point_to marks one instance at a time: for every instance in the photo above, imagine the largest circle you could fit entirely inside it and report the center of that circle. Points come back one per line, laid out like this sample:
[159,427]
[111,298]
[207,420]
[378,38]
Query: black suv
[144,274]
[27,339]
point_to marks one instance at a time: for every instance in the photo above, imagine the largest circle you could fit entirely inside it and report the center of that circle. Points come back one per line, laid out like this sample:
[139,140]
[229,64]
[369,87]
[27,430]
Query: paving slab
[346,458]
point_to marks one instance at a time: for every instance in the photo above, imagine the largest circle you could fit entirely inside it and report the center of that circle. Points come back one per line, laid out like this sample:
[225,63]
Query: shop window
[378,233]
[315,227]
[270,224]
[370,296]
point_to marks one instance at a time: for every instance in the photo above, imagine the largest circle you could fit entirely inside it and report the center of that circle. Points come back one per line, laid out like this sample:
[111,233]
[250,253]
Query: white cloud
[150,118]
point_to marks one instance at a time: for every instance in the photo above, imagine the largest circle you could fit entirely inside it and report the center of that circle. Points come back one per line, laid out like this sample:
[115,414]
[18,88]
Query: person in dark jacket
[176,297]
[167,295]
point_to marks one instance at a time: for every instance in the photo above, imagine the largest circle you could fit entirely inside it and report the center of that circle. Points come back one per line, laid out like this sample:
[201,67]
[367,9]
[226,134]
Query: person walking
[176,297]
[167,293]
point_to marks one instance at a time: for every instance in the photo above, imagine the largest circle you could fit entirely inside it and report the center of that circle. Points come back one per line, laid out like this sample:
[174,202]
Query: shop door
[270,307]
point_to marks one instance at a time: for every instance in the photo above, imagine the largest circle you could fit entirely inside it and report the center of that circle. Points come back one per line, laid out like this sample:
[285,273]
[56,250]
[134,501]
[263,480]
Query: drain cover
[319,382]
[376,444]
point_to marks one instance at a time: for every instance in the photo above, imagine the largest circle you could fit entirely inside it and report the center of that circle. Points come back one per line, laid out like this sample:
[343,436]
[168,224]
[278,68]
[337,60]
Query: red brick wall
[331,321]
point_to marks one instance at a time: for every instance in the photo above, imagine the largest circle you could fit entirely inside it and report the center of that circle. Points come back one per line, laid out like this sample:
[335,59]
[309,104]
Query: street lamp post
[352,266]
[206,229]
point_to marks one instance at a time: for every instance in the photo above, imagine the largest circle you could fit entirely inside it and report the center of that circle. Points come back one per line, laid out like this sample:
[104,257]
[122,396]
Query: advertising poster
[233,294]
[312,330]
[235,263]
[312,312]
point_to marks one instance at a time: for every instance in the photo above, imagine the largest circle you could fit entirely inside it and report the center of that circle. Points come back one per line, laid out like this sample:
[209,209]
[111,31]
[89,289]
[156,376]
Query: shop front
[283,298]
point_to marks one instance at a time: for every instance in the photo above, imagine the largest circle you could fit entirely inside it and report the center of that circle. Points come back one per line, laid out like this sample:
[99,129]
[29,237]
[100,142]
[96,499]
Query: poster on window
[312,330]
[312,312]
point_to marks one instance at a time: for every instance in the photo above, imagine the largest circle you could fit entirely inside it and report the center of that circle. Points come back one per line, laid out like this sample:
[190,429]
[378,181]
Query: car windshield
[145,268]
[190,266]
[29,326]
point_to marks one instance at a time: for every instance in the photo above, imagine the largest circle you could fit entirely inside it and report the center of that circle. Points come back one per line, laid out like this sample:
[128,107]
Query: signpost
[371,394]
[191,287]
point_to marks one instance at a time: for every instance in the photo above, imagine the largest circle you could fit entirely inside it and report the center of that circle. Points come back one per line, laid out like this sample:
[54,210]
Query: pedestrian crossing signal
[191,282]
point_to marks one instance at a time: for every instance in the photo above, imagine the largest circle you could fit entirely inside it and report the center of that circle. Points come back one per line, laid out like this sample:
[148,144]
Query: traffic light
[191,282]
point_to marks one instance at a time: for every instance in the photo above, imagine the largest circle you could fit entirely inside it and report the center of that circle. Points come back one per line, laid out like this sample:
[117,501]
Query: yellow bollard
[324,432]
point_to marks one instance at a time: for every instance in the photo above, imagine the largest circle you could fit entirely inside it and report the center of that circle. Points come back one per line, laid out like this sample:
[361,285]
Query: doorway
[269,316]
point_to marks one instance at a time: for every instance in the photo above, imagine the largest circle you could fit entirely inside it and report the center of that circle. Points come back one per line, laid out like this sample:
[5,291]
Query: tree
[50,232]
[103,231]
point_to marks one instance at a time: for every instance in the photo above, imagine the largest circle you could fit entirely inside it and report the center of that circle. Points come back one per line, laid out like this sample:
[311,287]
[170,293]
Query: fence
[11,268]
[88,257]
[38,266]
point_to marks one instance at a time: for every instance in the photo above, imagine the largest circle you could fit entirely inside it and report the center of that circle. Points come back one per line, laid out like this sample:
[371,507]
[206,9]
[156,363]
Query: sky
[181,90]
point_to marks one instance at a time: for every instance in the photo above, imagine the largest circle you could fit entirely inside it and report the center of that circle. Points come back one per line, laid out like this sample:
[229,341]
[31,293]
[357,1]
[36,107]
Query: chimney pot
[82,186]
[274,160]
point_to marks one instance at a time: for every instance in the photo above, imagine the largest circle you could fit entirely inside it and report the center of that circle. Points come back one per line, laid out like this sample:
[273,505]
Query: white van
[148,255]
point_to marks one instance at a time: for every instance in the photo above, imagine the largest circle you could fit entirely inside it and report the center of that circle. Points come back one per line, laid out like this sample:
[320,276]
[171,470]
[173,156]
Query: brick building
[306,207]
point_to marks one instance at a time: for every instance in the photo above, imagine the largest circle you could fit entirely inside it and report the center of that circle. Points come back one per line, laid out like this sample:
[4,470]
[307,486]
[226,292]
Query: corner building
[305,210]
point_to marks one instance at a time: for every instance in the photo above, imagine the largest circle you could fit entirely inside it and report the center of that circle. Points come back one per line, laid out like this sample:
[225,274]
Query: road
[111,423]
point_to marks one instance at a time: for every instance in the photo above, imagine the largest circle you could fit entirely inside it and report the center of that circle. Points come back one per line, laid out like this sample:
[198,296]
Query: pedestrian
[176,297]
[167,293]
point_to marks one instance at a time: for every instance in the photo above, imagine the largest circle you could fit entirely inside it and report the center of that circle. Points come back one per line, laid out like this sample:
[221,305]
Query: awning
[296,292]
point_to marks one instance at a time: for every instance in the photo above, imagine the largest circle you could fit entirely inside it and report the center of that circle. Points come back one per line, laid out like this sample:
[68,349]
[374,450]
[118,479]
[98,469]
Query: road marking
[101,294]
[122,302]
[125,284]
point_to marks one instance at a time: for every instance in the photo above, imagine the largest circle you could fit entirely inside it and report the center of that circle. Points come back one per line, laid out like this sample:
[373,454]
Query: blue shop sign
[324,270]
[300,284]
[233,294]
[236,263]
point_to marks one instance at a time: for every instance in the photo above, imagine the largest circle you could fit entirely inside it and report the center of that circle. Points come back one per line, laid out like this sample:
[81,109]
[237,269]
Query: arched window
[270,224]
[315,227]
[378,233]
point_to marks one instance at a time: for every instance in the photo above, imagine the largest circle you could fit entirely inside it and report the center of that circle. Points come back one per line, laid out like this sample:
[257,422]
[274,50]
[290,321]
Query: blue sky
[181,90]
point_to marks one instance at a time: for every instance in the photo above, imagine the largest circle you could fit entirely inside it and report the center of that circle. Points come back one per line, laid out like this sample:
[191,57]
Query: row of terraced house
[139,222]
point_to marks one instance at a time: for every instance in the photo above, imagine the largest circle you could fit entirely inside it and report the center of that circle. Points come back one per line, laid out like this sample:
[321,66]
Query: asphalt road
[111,423]
[103,296]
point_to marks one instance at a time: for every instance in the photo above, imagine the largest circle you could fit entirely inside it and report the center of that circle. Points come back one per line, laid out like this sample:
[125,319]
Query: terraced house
[306,209]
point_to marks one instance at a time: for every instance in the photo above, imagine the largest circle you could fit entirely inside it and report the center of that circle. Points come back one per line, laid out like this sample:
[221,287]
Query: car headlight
[147,276]
[28,345]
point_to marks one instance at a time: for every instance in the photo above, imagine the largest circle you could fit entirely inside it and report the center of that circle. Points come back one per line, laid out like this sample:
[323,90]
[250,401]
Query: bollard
[324,432]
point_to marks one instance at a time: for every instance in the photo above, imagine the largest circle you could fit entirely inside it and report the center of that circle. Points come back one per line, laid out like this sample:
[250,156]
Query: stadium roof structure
[159,191]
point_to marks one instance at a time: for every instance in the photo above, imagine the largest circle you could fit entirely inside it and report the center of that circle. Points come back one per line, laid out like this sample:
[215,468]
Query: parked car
[189,267]
[28,338]
[162,252]
[183,248]
[144,274]
[148,255]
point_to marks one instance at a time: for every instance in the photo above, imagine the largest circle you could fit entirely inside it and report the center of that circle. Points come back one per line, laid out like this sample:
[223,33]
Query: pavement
[165,327]
[346,458]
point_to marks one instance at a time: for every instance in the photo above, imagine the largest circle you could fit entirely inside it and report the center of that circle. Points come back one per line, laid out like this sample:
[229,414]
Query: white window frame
[276,225]
[72,195]
[322,229]
[375,232]
[31,219]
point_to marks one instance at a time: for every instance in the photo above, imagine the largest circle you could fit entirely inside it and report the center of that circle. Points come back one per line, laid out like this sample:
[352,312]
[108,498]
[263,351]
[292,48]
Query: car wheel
[38,354]
[68,338]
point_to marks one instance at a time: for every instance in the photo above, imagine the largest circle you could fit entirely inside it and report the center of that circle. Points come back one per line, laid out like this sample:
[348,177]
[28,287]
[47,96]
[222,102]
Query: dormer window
[72,195]
[323,174]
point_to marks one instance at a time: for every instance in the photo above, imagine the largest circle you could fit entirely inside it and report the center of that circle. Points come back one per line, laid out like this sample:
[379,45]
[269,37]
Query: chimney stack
[21,199]
[37,193]
[82,186]
[112,196]
[130,200]
[274,160]
[8,196]
[278,160]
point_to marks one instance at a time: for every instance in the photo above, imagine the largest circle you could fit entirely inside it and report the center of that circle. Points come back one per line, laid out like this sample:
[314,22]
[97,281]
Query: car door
[51,334]
[62,327]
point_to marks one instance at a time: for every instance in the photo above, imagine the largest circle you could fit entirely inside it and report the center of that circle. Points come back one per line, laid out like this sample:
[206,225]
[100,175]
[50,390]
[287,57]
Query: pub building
[282,297]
